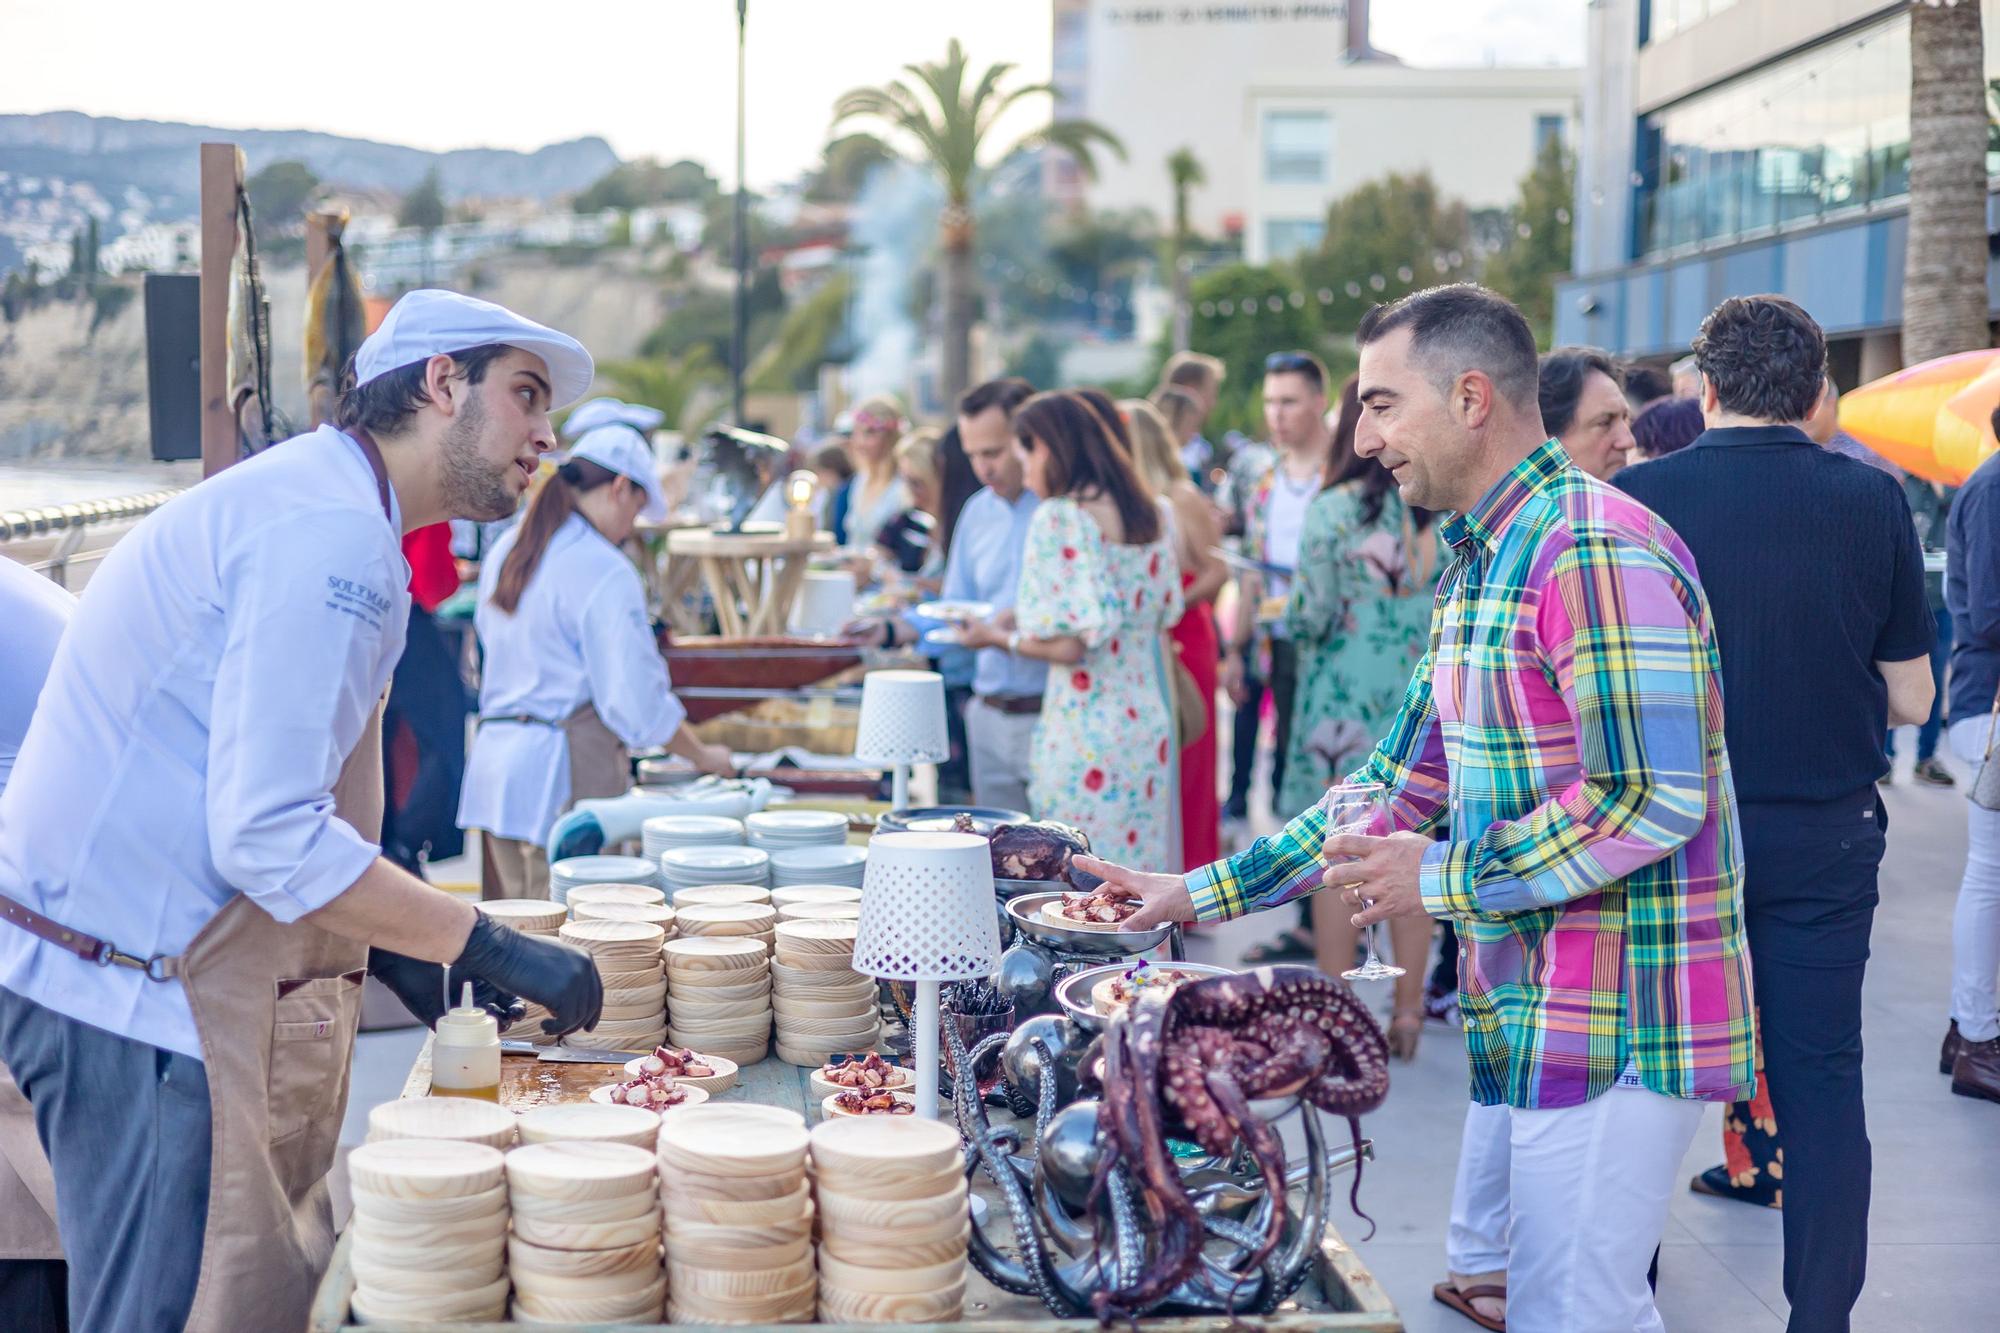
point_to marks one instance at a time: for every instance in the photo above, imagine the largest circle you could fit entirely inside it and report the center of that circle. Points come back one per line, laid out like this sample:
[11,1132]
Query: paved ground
[1934,1260]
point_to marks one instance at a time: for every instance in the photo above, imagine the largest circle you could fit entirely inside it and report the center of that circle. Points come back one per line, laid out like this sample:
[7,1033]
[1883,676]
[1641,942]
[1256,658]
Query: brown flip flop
[1446,1294]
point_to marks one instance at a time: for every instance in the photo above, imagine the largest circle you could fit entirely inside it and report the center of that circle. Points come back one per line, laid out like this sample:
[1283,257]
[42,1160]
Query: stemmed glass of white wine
[1360,808]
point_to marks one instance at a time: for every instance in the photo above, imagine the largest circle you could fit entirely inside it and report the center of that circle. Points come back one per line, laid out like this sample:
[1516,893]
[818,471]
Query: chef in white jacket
[573,678]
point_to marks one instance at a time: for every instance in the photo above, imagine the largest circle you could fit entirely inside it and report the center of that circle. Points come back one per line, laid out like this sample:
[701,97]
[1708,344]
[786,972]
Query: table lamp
[902,723]
[927,917]
[800,522]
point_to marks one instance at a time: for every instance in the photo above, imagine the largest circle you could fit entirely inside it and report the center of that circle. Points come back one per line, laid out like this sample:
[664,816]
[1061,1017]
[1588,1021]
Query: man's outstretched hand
[1162,898]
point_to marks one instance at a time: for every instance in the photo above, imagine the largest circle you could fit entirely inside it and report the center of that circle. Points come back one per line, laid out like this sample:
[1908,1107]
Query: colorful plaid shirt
[1565,727]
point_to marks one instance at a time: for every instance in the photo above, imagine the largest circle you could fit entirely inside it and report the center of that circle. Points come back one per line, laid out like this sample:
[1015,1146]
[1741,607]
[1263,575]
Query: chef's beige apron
[276,1008]
[599,767]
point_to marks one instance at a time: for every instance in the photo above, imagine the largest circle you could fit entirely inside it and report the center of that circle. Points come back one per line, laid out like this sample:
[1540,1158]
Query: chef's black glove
[560,979]
[422,988]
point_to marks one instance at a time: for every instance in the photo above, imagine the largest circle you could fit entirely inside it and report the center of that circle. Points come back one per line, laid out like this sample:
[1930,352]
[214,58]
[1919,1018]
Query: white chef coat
[579,635]
[201,705]
[33,610]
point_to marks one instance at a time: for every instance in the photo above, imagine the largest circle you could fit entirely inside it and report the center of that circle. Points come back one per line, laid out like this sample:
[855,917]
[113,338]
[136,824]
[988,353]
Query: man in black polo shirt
[1813,573]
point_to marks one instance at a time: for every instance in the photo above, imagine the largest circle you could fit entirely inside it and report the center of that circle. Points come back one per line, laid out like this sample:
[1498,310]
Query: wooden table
[753,579]
[1344,1296]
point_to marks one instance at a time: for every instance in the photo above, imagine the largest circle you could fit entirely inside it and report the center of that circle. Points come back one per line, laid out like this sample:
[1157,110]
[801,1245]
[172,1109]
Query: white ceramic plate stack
[719,996]
[576,871]
[793,894]
[750,920]
[786,830]
[686,867]
[530,916]
[464,1119]
[820,1004]
[818,865]
[586,1242]
[430,1231]
[893,1225]
[658,914]
[707,895]
[627,954]
[579,1122]
[739,1216]
[663,833]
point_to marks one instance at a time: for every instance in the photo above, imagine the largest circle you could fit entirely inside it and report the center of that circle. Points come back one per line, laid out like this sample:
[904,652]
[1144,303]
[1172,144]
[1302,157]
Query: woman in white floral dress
[1099,587]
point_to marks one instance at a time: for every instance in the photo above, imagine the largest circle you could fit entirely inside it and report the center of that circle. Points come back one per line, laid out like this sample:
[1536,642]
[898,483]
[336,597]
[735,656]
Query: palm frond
[1013,95]
[1079,138]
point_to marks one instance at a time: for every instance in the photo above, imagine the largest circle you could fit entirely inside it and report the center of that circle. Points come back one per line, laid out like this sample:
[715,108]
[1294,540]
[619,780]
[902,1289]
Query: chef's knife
[567,1056]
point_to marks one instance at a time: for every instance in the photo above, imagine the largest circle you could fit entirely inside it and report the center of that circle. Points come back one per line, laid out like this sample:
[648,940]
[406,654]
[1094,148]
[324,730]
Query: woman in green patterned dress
[1359,615]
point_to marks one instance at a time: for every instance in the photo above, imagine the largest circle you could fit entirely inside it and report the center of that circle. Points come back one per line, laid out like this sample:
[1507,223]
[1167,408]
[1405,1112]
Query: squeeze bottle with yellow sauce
[465,1058]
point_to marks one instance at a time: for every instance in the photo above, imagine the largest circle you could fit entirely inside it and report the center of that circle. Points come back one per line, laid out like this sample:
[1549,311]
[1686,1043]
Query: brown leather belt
[159,967]
[1014,705]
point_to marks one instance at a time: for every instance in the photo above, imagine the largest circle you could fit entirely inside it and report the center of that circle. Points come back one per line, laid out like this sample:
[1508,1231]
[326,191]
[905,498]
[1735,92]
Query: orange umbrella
[1935,419]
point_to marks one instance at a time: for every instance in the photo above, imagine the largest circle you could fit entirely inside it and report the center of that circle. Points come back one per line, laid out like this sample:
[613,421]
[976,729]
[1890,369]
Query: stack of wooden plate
[749,920]
[639,894]
[530,916]
[460,1118]
[739,1216]
[430,1231]
[719,996]
[709,894]
[893,1225]
[658,914]
[579,1122]
[821,1005]
[627,954]
[820,912]
[586,1242]
[814,893]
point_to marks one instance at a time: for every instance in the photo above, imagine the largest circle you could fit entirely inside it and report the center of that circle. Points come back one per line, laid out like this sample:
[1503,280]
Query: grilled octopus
[1190,1063]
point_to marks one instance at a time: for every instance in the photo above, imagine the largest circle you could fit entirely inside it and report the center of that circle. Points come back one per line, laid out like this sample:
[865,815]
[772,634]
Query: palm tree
[675,385]
[1184,170]
[1944,262]
[950,117]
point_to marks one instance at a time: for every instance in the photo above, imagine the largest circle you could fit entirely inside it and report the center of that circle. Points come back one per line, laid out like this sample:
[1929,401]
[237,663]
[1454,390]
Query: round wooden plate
[705,988]
[424,1168]
[722,1080]
[719,1311]
[376,1307]
[740,1212]
[462,1231]
[898,1280]
[437,1256]
[736,1024]
[579,1170]
[859,1026]
[613,936]
[835,966]
[685,1234]
[615,893]
[589,1309]
[653,992]
[876,1186]
[586,1210]
[886,1148]
[819,912]
[740,1139]
[387,1208]
[890,1249]
[814,893]
[701,895]
[691,1280]
[814,937]
[705,953]
[739,1258]
[678,1186]
[537,916]
[684,1013]
[601,1097]
[840,1306]
[371,1275]
[653,974]
[639,1262]
[823,1087]
[591,1121]
[704,919]
[586,1235]
[884,1219]
[830,1112]
[657,914]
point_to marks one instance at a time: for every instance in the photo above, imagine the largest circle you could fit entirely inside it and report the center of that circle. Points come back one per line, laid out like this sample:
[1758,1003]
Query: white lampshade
[902,719]
[826,601]
[927,908]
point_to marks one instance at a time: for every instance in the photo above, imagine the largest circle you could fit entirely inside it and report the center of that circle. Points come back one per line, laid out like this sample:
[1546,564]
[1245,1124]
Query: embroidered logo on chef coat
[357,599]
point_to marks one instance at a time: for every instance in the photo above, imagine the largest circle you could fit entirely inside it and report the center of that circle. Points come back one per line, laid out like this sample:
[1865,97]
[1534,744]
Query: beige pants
[522,867]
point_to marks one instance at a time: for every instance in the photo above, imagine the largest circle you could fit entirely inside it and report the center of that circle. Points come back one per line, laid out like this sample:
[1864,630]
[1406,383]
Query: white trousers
[1571,1203]
[997,748]
[1975,922]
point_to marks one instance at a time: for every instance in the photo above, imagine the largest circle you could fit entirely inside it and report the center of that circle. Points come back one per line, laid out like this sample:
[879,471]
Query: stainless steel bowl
[1073,992]
[1026,913]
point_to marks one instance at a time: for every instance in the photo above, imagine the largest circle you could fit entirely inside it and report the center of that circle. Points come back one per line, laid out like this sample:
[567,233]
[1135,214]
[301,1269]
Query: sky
[654,77]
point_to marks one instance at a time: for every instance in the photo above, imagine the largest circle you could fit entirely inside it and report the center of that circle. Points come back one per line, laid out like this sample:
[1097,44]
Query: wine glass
[1360,807]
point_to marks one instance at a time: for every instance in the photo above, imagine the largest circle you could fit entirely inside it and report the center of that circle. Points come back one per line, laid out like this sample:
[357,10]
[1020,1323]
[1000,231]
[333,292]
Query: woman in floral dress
[1099,585]
[1359,615]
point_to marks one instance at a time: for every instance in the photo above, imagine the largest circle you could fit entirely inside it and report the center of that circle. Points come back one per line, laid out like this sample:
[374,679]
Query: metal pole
[740,334]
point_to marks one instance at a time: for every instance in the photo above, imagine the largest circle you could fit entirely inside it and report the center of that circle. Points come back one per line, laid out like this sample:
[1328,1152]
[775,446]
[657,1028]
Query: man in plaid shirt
[1565,735]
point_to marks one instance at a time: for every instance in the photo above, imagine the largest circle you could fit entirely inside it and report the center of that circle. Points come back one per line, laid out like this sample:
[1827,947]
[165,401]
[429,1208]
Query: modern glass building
[1733,146]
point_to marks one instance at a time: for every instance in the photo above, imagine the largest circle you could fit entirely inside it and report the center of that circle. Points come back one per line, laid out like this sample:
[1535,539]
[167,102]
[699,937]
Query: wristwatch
[1014,643]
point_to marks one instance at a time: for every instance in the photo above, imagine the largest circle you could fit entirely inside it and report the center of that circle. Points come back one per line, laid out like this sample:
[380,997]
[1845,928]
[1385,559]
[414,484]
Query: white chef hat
[611,412]
[429,322]
[616,447]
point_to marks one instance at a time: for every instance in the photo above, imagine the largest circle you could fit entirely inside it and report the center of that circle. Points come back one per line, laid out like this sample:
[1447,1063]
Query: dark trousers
[1283,687]
[126,1127]
[33,1296]
[1809,900]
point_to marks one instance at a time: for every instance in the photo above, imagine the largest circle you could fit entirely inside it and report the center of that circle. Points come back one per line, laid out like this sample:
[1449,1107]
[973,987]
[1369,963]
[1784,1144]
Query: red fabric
[1201,806]
[433,573]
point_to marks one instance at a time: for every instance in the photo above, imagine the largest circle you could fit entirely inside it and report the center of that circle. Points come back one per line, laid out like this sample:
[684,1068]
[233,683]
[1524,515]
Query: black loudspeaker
[173,364]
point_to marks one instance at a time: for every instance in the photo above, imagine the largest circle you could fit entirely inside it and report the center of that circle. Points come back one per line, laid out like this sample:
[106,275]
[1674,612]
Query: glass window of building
[1548,130]
[1297,147]
[1287,237]
[1814,134]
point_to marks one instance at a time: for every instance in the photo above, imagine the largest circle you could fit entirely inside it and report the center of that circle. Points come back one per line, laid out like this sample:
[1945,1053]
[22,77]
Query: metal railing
[68,526]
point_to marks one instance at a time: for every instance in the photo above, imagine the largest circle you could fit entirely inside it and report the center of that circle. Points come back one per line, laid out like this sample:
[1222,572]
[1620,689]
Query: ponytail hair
[552,505]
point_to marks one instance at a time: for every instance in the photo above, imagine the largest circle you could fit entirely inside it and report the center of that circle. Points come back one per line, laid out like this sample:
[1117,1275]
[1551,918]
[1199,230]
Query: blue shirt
[985,566]
[1972,591]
